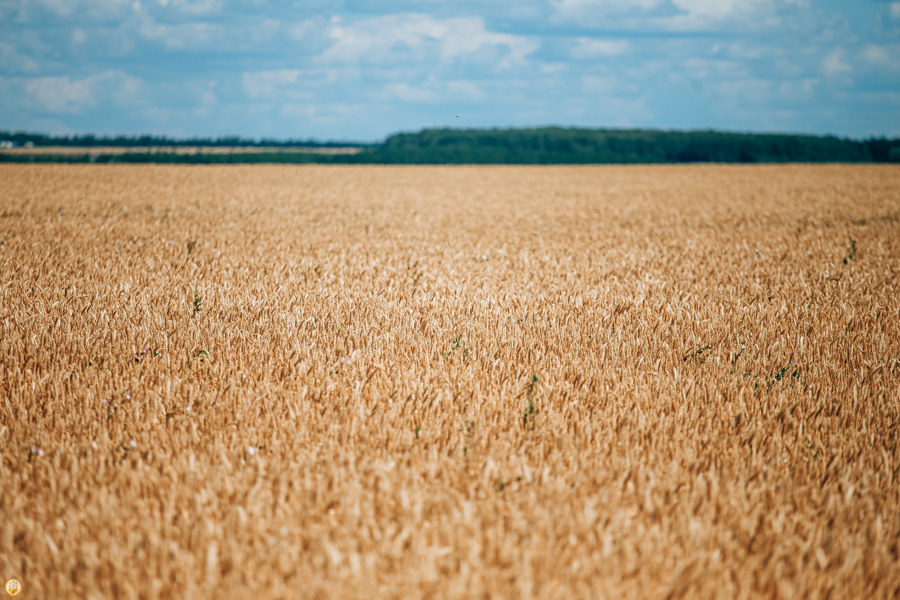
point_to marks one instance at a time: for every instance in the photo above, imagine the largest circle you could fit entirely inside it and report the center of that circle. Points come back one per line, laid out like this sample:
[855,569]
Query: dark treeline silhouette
[581,146]
[546,145]
[198,158]
[90,140]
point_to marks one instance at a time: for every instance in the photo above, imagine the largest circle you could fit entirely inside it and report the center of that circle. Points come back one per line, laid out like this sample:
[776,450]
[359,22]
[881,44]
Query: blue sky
[360,70]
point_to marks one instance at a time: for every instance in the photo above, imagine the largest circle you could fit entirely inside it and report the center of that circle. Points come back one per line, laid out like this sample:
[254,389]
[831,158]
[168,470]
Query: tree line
[590,146]
[90,140]
[545,145]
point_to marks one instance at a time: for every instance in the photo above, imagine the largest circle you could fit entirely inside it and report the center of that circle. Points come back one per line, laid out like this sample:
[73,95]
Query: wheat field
[450,382]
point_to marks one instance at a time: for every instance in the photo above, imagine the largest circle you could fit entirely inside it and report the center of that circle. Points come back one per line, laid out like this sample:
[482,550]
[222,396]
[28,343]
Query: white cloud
[689,15]
[432,90]
[834,63]
[877,54]
[592,48]
[717,10]
[263,31]
[178,36]
[614,110]
[189,31]
[594,85]
[63,94]
[883,55]
[699,15]
[705,69]
[12,59]
[208,95]
[60,7]
[895,10]
[580,9]
[464,90]
[81,8]
[554,68]
[404,92]
[327,115]
[298,111]
[743,92]
[268,84]
[798,91]
[193,7]
[417,37]
[303,29]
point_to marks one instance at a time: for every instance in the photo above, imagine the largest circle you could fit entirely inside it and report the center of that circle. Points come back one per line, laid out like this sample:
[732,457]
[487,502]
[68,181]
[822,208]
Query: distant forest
[90,140]
[545,145]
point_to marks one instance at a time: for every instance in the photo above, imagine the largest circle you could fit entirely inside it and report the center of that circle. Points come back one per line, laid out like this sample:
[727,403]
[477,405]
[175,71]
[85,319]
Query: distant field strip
[450,382]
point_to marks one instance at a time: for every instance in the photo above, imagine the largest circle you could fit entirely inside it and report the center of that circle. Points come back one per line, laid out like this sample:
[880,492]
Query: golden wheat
[272,382]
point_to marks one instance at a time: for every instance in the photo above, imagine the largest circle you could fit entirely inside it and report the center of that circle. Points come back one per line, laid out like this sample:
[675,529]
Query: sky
[359,70]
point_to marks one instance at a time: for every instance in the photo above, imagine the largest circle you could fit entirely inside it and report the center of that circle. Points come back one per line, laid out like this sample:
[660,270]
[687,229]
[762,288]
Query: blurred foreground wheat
[450,382]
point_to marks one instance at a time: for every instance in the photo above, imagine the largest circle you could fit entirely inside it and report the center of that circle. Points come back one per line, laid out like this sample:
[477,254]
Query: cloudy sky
[362,69]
